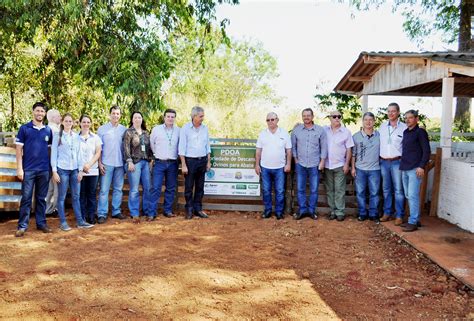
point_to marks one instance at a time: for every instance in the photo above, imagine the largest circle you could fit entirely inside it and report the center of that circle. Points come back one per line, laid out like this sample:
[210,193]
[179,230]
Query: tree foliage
[120,48]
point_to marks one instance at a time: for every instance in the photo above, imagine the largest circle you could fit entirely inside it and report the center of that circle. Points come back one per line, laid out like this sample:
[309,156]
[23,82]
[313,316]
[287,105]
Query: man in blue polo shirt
[32,157]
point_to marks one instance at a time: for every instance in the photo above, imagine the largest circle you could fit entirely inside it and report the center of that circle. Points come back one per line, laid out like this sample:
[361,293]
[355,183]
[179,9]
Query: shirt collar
[398,123]
[32,125]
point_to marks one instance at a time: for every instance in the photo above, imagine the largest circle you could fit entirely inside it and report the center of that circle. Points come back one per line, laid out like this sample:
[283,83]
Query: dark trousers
[40,181]
[194,180]
[89,197]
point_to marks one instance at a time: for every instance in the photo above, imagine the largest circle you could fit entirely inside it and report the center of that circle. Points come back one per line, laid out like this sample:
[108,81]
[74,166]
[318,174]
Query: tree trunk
[12,103]
[462,117]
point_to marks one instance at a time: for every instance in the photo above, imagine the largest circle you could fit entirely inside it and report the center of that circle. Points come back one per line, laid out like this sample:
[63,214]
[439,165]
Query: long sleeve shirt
[194,142]
[136,147]
[309,145]
[65,152]
[415,148]
[164,142]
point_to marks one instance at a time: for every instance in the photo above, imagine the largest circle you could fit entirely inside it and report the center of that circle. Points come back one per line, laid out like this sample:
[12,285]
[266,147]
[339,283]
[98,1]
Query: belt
[196,158]
[391,159]
[166,160]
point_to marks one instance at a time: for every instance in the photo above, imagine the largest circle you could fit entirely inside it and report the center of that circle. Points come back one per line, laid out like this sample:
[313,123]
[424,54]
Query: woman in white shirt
[90,149]
[66,163]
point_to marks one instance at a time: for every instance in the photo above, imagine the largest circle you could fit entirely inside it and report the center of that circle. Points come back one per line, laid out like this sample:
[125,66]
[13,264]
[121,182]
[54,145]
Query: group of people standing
[396,153]
[77,160]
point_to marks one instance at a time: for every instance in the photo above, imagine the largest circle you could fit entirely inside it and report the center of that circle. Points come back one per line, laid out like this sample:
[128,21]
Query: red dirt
[230,266]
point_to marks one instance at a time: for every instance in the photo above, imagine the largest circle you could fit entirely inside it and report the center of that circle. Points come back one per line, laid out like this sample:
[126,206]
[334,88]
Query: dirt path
[231,266]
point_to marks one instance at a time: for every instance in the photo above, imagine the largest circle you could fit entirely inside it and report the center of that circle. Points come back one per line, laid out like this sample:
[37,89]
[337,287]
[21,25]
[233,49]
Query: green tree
[349,106]
[450,17]
[118,47]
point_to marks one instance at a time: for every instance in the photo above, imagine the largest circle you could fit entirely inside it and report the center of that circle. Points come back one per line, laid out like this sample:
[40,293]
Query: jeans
[372,179]
[31,179]
[169,172]
[335,181]
[307,205]
[270,177]
[52,197]
[194,179]
[411,186]
[141,174]
[89,197]
[69,179]
[113,175]
[392,182]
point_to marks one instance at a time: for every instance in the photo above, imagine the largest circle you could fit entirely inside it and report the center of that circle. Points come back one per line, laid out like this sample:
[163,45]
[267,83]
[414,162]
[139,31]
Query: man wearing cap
[391,135]
[340,143]
[272,161]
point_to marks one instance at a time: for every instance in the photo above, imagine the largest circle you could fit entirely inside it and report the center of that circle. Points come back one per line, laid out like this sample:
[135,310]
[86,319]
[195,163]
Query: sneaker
[101,220]
[85,225]
[361,218]
[152,218]
[314,216]
[64,227]
[119,216]
[20,232]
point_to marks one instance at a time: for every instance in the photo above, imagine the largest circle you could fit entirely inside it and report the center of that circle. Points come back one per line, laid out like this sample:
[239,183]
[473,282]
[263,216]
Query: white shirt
[274,146]
[391,139]
[87,148]
[164,142]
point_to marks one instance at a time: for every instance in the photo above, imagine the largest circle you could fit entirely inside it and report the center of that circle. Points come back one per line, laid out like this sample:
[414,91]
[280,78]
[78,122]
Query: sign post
[232,172]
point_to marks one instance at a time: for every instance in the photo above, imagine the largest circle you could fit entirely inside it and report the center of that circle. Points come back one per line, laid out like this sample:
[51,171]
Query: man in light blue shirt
[164,144]
[195,153]
[111,166]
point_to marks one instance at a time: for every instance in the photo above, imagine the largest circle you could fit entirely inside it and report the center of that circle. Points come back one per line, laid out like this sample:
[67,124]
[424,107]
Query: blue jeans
[411,186]
[307,205]
[113,175]
[69,179]
[89,197]
[372,179]
[392,182]
[167,170]
[141,174]
[270,177]
[31,179]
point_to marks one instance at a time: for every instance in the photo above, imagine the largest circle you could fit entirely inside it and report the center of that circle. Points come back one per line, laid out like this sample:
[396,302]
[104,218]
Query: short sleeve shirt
[112,148]
[35,141]
[274,146]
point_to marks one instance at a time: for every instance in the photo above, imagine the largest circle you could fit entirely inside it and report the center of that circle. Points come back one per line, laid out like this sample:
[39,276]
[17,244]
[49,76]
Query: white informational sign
[232,172]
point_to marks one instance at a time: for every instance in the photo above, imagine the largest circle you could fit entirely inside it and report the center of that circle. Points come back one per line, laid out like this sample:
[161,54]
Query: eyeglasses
[336,116]
[271,119]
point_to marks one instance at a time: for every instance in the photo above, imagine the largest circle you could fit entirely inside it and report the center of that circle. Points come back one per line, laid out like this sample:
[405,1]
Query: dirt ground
[230,266]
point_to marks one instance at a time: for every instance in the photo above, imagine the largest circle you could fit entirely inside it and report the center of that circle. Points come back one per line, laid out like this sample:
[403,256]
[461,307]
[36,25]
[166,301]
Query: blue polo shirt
[35,141]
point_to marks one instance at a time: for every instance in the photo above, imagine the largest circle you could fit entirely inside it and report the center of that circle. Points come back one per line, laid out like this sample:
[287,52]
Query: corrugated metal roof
[369,62]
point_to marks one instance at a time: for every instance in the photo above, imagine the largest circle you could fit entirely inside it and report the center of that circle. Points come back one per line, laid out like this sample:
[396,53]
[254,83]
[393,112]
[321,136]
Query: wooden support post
[447,116]
[436,182]
[365,103]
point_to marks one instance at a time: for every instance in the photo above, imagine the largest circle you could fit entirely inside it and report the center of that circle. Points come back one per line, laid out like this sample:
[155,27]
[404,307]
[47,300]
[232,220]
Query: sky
[316,42]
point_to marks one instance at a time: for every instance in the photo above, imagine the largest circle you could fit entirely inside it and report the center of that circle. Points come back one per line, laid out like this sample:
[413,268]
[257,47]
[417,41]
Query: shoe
[120,216]
[398,222]
[279,216]
[299,216]
[332,217]
[54,213]
[135,220]
[150,218]
[189,215]
[418,224]
[410,228]
[85,225]
[101,220]
[169,215]
[374,219]
[340,218]
[45,229]
[361,218]
[266,214]
[20,232]
[314,216]
[64,227]
[201,214]
[386,218]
